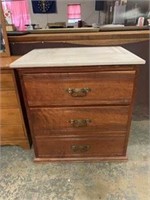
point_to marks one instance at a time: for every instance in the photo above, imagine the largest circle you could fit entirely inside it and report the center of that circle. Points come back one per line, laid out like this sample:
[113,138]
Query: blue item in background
[44,6]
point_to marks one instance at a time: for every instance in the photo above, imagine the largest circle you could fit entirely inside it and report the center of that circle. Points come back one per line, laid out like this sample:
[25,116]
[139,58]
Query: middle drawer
[79,120]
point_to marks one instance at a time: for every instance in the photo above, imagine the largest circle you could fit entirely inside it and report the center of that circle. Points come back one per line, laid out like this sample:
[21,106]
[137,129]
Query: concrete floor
[22,179]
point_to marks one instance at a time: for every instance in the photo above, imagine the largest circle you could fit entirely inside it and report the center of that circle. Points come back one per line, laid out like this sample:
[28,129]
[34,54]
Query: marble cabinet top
[77,56]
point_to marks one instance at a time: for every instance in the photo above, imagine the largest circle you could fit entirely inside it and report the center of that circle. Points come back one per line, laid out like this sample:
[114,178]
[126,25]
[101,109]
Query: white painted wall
[88,13]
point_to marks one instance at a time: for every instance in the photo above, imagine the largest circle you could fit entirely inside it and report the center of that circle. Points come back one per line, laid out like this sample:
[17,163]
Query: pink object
[19,13]
[140,21]
[74,11]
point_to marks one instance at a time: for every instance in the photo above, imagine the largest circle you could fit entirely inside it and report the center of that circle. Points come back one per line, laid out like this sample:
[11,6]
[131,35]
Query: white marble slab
[83,56]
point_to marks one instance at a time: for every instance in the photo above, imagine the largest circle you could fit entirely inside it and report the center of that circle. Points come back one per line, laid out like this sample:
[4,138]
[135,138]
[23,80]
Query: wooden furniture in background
[56,25]
[12,127]
[66,39]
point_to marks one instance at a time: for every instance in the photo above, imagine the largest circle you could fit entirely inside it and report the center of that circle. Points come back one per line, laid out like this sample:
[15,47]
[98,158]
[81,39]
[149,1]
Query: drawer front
[7,81]
[10,117]
[80,147]
[79,120]
[11,131]
[8,99]
[109,87]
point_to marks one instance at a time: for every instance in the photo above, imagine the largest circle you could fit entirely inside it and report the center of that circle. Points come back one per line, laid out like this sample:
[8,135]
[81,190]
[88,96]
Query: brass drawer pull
[80,148]
[80,122]
[78,92]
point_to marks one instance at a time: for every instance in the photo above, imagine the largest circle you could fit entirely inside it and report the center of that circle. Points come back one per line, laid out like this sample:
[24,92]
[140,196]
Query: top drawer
[51,89]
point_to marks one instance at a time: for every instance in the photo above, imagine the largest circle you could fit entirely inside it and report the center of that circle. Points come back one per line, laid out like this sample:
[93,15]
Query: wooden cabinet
[12,126]
[81,114]
[78,101]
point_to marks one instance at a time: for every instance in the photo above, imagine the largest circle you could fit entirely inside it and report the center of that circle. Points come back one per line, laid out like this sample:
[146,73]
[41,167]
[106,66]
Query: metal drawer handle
[79,122]
[80,148]
[78,92]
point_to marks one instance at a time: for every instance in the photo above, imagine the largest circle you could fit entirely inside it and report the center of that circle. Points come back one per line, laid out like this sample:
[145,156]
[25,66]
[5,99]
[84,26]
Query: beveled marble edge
[77,56]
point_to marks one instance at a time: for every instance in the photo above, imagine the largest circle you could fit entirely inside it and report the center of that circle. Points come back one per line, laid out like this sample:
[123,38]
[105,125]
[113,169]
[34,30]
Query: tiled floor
[22,179]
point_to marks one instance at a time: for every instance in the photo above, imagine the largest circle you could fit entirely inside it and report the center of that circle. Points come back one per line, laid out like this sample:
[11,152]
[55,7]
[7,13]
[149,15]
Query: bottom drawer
[79,147]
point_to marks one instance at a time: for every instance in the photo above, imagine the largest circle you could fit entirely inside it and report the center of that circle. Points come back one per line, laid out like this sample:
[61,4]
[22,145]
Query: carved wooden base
[91,159]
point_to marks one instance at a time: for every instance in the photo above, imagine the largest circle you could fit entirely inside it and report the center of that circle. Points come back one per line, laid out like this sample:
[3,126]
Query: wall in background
[88,13]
